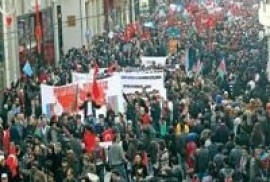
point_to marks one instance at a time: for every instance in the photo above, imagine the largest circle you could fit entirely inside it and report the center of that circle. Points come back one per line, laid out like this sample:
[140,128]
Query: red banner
[66,95]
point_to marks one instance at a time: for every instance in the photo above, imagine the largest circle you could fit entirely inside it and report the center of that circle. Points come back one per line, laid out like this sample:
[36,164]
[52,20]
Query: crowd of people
[212,127]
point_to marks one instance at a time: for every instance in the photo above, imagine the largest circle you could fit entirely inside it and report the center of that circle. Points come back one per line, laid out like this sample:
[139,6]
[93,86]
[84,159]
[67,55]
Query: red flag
[129,32]
[89,140]
[6,141]
[38,29]
[108,135]
[12,163]
[145,36]
[98,95]
[96,70]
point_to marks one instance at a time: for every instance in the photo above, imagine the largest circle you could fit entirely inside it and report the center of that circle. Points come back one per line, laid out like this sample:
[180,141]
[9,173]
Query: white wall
[73,36]
[95,16]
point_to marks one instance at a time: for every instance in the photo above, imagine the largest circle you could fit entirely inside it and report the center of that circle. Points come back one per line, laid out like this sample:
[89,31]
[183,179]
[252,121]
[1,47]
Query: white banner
[81,77]
[57,100]
[113,93]
[136,81]
[129,81]
[85,77]
[148,61]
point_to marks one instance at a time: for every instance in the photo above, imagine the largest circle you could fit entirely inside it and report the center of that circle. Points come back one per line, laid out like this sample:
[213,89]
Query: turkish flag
[6,141]
[98,95]
[108,135]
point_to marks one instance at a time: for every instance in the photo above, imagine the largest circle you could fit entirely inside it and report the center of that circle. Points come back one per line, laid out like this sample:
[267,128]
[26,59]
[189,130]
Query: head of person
[69,174]
[89,97]
[138,158]
[64,163]
[2,160]
[4,177]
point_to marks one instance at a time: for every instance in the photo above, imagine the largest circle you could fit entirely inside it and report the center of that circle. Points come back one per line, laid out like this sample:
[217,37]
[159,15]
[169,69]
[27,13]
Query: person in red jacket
[89,138]
[145,118]
[6,141]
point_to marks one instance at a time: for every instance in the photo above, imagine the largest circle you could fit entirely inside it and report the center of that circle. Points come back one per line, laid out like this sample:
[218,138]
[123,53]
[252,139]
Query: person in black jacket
[89,108]
[222,133]
[139,170]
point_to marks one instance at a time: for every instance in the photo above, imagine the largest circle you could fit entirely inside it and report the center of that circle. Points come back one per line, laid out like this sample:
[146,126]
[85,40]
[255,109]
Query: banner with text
[148,61]
[81,77]
[137,81]
[57,100]
[112,89]
[85,77]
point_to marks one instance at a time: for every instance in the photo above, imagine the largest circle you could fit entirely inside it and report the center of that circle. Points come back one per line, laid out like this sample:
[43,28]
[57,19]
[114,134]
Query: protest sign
[112,89]
[81,77]
[57,100]
[148,61]
[137,81]
[85,77]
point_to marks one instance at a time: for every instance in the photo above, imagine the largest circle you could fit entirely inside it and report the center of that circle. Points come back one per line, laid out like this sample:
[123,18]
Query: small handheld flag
[27,69]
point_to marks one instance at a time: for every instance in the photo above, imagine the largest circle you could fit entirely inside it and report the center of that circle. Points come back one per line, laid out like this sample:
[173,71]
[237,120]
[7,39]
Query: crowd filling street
[213,125]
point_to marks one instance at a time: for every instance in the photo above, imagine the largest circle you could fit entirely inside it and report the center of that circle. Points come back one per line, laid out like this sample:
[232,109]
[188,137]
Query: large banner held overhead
[127,82]
[148,61]
[57,100]
[112,89]
[137,81]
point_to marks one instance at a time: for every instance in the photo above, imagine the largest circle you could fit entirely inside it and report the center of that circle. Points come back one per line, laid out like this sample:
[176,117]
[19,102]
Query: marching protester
[210,125]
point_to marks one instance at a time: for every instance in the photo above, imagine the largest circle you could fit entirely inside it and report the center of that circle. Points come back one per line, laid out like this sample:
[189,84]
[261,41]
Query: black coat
[84,107]
[222,134]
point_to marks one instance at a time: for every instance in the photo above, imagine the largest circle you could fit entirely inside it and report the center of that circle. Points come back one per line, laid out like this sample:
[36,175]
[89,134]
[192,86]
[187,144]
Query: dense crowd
[212,127]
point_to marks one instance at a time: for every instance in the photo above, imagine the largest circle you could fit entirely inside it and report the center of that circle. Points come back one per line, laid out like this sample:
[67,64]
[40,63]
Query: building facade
[65,24]
[264,18]
[17,34]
